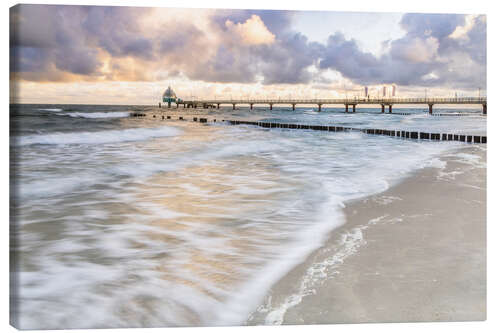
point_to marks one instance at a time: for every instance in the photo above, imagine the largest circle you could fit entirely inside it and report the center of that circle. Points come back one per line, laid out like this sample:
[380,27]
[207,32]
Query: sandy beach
[414,253]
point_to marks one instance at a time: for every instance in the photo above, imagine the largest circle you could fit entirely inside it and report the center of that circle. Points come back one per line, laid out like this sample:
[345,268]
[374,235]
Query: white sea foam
[327,218]
[350,242]
[385,199]
[101,137]
[51,110]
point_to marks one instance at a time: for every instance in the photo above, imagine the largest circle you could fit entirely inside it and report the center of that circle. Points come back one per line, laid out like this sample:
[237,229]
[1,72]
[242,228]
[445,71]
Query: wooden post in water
[383,108]
[319,107]
[270,106]
[484,108]
[430,108]
[390,108]
[346,108]
[354,108]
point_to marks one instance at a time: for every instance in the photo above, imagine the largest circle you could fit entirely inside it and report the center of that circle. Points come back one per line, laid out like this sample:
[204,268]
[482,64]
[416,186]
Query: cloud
[425,56]
[46,41]
[288,60]
[115,30]
[252,32]
[416,50]
[92,43]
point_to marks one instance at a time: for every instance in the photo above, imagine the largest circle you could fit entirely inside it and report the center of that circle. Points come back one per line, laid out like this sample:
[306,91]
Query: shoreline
[413,253]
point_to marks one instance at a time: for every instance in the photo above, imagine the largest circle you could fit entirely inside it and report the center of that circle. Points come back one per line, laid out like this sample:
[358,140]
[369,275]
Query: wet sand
[416,252]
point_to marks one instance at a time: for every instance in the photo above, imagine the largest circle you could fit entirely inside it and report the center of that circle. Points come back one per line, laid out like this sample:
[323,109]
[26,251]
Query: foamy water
[98,137]
[128,222]
[96,115]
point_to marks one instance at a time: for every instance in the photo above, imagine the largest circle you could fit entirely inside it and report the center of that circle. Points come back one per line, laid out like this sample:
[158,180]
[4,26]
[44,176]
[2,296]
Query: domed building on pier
[169,96]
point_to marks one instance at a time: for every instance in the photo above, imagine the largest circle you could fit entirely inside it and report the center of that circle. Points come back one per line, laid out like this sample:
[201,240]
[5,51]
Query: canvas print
[214,167]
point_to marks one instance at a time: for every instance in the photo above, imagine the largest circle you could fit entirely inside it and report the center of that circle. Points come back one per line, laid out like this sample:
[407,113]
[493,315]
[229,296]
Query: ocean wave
[51,110]
[102,137]
[96,115]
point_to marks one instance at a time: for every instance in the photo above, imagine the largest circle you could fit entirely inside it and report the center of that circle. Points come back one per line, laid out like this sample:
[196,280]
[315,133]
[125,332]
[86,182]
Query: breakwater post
[394,133]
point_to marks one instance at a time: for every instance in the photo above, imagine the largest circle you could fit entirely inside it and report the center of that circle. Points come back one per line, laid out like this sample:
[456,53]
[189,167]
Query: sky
[129,55]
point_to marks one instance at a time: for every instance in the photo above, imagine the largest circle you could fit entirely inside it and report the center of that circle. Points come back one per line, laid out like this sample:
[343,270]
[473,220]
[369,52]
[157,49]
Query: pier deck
[347,102]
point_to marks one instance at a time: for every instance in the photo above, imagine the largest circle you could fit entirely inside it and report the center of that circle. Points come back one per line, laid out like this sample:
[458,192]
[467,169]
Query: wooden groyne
[416,135]
[374,131]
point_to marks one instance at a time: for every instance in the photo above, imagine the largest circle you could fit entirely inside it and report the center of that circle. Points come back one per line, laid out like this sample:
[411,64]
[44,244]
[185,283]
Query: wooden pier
[349,103]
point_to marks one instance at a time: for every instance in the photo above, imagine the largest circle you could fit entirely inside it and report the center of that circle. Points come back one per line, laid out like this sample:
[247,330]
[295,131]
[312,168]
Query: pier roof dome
[169,93]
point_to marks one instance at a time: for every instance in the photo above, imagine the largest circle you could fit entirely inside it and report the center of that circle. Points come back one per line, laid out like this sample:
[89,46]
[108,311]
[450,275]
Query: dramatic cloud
[252,32]
[43,43]
[89,43]
[430,54]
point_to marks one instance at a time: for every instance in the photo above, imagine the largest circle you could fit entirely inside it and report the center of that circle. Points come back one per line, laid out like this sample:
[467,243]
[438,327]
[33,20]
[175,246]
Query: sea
[120,221]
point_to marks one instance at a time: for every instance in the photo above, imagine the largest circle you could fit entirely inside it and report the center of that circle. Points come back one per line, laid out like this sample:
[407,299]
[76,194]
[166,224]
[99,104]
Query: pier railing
[383,100]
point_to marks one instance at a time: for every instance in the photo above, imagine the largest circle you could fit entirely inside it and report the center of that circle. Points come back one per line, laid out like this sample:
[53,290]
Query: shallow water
[138,222]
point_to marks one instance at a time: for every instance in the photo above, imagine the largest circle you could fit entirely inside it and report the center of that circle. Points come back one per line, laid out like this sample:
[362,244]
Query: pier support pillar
[159,105]
[430,108]
[293,107]
[251,106]
[383,108]
[270,106]
[169,105]
[484,108]
[354,108]
[319,107]
[177,105]
[234,106]
[390,108]
[346,108]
